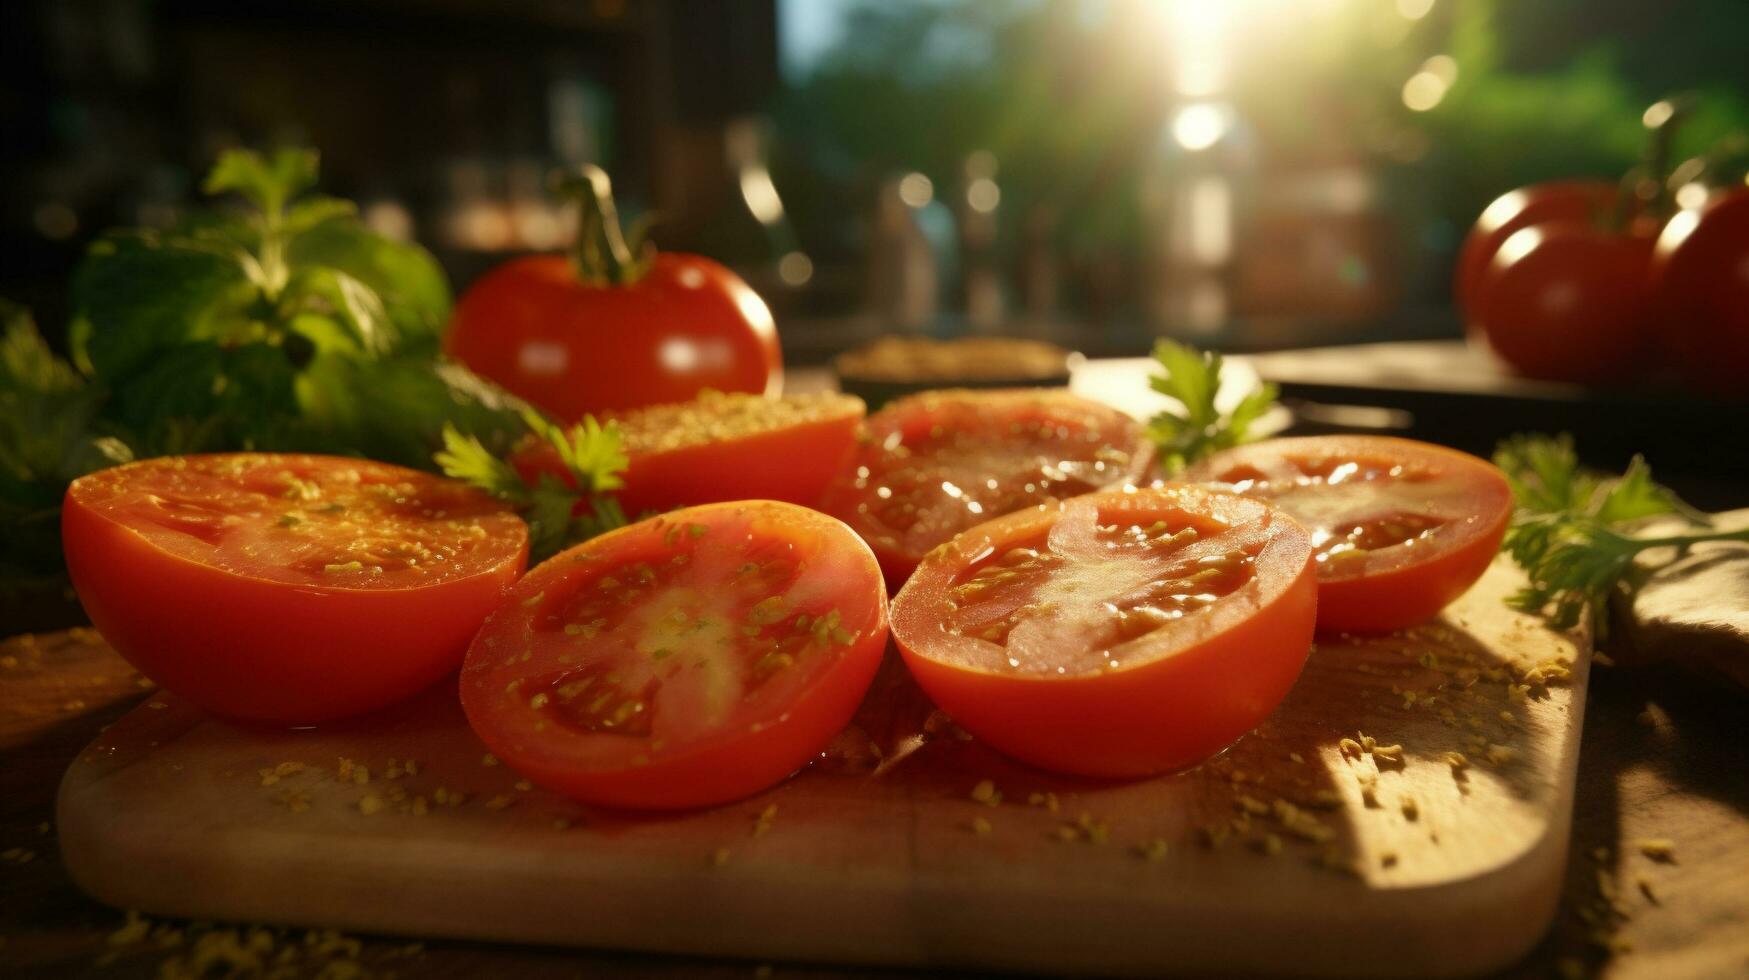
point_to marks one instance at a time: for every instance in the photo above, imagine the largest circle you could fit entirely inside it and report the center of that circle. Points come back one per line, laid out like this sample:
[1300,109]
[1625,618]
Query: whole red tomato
[1567,301]
[1560,200]
[608,329]
[1700,290]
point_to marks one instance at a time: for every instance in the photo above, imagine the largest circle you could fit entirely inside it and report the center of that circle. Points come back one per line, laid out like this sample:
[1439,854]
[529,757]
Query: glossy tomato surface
[1566,301]
[931,465]
[725,447]
[1700,275]
[1583,201]
[1400,528]
[1116,634]
[574,349]
[690,659]
[287,589]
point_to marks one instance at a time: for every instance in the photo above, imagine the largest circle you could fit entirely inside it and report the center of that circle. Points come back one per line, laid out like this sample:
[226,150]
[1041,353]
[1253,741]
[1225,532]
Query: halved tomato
[690,659]
[1116,634]
[931,465]
[288,589]
[1401,528]
[725,447]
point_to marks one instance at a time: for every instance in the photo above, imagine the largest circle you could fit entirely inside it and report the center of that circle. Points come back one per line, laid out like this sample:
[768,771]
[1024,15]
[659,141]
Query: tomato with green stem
[1117,634]
[1399,528]
[686,660]
[614,325]
[287,589]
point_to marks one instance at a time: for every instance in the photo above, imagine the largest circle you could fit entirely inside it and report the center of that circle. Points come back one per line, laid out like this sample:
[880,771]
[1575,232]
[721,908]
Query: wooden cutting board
[1293,851]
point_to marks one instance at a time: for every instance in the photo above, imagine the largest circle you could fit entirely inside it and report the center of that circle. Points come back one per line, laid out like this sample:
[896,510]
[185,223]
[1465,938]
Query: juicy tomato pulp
[725,447]
[1116,634]
[689,324]
[931,465]
[690,659]
[1401,528]
[291,589]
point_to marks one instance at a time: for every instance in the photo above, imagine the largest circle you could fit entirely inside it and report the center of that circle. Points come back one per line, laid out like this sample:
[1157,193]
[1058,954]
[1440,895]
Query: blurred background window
[1248,174]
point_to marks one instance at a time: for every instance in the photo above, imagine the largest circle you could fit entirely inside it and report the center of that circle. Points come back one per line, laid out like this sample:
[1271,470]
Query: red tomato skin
[756,762]
[1411,594]
[573,349]
[1564,301]
[1089,715]
[746,763]
[258,651]
[1561,200]
[1407,596]
[1700,288]
[1109,725]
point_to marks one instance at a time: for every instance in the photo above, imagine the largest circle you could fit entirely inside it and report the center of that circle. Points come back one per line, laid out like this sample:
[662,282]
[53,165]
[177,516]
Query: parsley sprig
[1571,531]
[560,511]
[1199,428]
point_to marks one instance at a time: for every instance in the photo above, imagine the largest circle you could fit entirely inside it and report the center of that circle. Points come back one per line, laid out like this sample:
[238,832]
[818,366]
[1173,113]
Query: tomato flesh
[290,589]
[686,660]
[1399,528]
[1115,634]
[931,465]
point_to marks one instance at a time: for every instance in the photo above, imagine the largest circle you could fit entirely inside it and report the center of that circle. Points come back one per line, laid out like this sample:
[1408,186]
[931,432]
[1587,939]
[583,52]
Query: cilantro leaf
[560,511]
[1198,428]
[1568,529]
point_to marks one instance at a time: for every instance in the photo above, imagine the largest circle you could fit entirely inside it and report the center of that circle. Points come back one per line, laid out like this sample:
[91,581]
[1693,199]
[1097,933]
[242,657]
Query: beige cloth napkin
[1692,608]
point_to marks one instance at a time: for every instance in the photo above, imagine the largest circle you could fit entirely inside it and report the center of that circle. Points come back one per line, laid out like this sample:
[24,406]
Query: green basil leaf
[201,397]
[266,182]
[138,293]
[343,299]
[412,288]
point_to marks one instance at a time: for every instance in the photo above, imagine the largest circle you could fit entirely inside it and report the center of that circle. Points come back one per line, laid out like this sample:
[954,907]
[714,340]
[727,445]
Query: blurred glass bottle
[981,283]
[904,279]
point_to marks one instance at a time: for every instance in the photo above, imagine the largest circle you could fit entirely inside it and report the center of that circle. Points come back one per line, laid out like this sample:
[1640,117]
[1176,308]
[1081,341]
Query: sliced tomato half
[289,589]
[725,447]
[1116,634]
[931,465]
[686,660]
[1400,528]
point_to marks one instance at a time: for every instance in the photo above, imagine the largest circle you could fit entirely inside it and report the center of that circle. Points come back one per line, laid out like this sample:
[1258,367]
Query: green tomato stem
[1684,540]
[601,254]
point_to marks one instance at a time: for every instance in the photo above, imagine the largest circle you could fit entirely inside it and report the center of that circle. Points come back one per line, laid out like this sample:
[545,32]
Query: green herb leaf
[560,511]
[1199,428]
[48,436]
[136,294]
[395,409]
[266,182]
[410,284]
[1567,533]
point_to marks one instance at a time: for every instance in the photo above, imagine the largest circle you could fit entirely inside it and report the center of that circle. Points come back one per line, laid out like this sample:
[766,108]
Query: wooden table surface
[1665,755]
